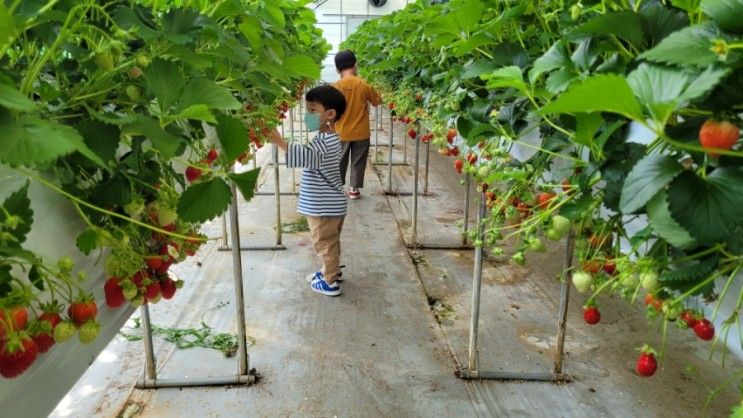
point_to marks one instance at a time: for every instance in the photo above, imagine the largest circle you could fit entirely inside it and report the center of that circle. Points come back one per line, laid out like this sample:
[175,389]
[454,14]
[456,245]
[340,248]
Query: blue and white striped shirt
[321,191]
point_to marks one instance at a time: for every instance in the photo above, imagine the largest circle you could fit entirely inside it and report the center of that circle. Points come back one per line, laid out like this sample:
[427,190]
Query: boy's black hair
[329,97]
[345,60]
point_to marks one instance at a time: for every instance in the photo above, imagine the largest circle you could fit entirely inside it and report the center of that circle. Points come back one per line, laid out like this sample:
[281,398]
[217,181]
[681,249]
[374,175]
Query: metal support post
[278,192]
[376,133]
[473,371]
[389,156]
[291,127]
[237,268]
[564,299]
[467,186]
[472,358]
[416,166]
[425,178]
[245,375]
[236,238]
[149,351]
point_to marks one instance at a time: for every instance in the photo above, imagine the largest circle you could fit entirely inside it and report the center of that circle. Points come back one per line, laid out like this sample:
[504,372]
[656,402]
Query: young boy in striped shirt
[321,196]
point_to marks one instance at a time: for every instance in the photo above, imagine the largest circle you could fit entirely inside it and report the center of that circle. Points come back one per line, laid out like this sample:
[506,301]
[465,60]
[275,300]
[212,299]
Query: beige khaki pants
[326,237]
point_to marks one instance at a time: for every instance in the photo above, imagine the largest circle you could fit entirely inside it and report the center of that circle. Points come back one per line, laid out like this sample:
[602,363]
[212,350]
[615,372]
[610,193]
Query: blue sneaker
[320,286]
[312,276]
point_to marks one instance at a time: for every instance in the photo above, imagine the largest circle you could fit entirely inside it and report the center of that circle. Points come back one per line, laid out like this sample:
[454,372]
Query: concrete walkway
[389,346]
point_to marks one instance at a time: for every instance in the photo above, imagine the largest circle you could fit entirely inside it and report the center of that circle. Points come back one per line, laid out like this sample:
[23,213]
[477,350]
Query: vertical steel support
[389,156]
[238,275]
[564,299]
[291,130]
[466,208]
[376,133]
[415,187]
[425,179]
[224,232]
[277,191]
[473,358]
[150,364]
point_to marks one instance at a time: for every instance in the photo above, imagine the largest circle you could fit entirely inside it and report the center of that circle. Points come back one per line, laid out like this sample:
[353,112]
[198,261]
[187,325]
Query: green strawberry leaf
[18,205]
[659,217]
[707,207]
[11,98]
[689,46]
[88,241]
[204,201]
[205,92]
[686,276]
[163,141]
[624,25]
[246,182]
[232,135]
[600,93]
[646,179]
[103,139]
[30,141]
[301,66]
[34,276]
[727,13]
[166,80]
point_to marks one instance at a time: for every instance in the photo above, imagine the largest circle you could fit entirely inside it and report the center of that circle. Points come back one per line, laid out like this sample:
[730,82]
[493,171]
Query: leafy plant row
[135,112]
[590,116]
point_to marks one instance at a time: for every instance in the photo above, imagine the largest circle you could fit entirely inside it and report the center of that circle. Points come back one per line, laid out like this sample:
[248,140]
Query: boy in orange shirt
[353,127]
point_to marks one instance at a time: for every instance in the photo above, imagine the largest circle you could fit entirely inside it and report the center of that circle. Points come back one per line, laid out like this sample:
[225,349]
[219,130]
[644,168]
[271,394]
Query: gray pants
[357,152]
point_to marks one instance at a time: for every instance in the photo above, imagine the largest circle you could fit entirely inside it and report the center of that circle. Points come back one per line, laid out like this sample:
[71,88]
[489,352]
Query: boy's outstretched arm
[277,139]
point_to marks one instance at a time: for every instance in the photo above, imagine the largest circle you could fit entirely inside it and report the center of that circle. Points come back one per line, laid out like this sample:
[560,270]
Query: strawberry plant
[577,123]
[135,112]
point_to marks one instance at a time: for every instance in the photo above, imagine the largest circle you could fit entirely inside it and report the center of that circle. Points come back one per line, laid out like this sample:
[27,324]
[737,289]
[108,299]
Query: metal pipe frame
[245,376]
[416,168]
[376,133]
[467,187]
[425,178]
[291,127]
[277,193]
[472,371]
[415,245]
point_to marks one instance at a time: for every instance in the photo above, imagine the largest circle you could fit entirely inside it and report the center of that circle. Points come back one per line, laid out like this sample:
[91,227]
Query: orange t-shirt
[354,124]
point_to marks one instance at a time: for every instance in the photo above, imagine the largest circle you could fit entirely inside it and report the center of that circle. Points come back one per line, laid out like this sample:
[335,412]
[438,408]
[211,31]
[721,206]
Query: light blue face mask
[312,121]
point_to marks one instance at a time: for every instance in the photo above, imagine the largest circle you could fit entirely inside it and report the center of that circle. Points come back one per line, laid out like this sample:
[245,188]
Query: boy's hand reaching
[276,138]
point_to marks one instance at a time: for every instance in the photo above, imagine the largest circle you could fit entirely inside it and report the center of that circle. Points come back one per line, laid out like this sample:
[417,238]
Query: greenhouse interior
[382,208]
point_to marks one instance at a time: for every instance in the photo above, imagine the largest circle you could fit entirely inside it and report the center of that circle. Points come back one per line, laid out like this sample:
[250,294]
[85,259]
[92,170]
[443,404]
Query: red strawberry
[44,342]
[591,266]
[163,269]
[704,329]
[689,318]
[82,310]
[471,158]
[566,186]
[192,174]
[139,277]
[591,315]
[391,106]
[455,151]
[169,252]
[544,199]
[411,133]
[212,155]
[458,164]
[17,355]
[646,364]
[153,262]
[168,288]
[600,240]
[152,291]
[451,134]
[657,303]
[16,318]
[53,318]
[610,266]
[445,152]
[114,292]
[718,134]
